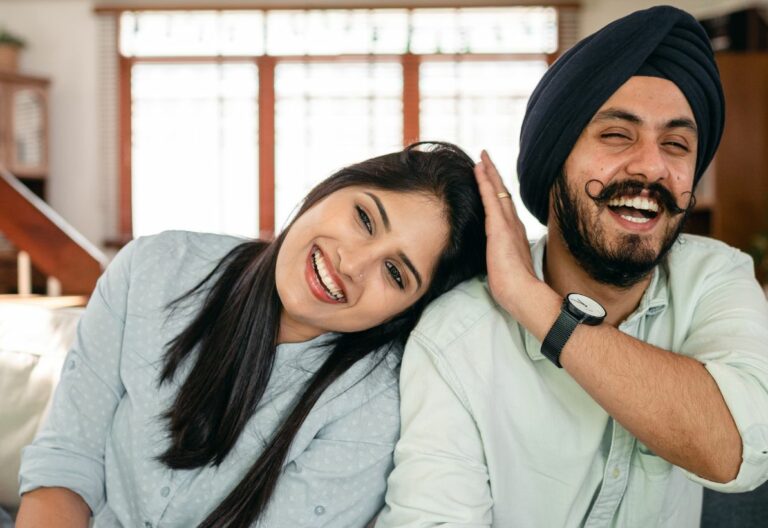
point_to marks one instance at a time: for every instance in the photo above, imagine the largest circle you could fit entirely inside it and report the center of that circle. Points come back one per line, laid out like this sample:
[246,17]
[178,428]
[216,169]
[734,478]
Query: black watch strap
[558,335]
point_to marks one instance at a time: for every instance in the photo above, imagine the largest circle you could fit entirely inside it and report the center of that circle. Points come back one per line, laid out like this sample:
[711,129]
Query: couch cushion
[33,344]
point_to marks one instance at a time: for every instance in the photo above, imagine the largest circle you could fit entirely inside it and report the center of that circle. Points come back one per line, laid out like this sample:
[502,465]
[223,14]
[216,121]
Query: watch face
[586,305]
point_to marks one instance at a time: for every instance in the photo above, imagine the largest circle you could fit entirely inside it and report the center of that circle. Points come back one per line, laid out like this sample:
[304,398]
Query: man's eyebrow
[624,115]
[411,267]
[382,211]
[615,113]
[683,122]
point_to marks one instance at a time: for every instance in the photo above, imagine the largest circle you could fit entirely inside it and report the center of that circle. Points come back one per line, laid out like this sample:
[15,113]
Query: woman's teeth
[321,270]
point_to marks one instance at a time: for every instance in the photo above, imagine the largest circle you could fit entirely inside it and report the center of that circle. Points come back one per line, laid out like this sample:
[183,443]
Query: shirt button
[147,524]
[319,510]
[71,364]
[165,491]
[616,472]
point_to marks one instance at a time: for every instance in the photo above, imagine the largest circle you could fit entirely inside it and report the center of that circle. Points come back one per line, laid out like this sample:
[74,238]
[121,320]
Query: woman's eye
[395,273]
[365,219]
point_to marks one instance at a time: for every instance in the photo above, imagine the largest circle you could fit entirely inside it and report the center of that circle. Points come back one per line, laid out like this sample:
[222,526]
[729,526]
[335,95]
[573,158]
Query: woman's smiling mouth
[322,280]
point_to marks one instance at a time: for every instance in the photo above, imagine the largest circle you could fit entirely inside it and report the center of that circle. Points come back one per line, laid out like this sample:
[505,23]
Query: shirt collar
[654,300]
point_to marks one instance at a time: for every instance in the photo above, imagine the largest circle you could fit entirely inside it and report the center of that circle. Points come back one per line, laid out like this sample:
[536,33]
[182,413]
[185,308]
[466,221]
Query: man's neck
[564,274]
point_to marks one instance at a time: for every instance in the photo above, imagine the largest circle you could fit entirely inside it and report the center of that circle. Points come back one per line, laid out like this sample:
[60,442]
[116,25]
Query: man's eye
[678,145]
[392,269]
[364,219]
[609,135]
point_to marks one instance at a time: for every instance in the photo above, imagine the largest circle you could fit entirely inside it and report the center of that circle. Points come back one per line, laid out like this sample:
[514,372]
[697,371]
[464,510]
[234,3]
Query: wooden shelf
[736,203]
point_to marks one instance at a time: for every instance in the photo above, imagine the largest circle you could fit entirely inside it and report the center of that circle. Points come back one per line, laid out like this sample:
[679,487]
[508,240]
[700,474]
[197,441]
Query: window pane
[328,115]
[195,148]
[484,30]
[459,104]
[176,34]
[335,32]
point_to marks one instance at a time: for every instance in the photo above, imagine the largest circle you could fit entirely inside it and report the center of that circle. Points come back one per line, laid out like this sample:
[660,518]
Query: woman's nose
[353,261]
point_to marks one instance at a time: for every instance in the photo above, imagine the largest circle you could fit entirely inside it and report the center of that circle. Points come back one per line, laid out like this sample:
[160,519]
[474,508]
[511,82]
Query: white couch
[34,340]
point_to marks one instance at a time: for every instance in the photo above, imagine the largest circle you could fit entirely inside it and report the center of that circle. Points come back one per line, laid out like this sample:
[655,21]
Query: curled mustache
[657,191]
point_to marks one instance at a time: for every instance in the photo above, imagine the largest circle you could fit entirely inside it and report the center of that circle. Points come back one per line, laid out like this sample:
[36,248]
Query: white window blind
[328,115]
[195,148]
[480,105]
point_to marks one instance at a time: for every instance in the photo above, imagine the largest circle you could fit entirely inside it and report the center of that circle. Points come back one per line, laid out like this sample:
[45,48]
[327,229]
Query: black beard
[622,266]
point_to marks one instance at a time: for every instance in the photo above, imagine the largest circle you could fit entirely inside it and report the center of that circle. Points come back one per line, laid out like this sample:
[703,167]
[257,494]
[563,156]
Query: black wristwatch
[577,308]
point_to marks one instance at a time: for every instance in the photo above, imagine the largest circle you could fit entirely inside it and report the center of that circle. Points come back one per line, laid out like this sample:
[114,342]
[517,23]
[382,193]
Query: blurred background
[131,117]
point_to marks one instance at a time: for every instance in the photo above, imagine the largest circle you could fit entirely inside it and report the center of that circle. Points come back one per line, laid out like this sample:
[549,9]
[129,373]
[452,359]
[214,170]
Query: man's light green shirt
[493,434]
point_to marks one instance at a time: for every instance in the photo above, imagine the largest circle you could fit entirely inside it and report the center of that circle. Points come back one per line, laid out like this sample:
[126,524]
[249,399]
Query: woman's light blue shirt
[104,432]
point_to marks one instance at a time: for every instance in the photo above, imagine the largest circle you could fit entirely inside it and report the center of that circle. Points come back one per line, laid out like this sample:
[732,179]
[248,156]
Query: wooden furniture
[733,198]
[24,128]
[23,152]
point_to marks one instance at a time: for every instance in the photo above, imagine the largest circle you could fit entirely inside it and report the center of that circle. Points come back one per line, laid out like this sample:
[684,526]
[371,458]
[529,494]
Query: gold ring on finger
[503,195]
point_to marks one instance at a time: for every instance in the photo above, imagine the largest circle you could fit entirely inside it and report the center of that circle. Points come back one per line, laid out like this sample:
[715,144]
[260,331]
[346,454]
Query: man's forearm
[46,507]
[668,401]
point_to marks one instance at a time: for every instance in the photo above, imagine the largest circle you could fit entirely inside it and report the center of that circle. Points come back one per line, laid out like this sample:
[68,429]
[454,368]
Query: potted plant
[10,45]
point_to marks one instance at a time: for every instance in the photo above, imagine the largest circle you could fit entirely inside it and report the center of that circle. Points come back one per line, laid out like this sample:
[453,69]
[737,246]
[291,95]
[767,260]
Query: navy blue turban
[659,42]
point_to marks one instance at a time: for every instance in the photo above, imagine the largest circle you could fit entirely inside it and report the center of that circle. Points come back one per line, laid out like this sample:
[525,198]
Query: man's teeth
[636,202]
[637,220]
[325,277]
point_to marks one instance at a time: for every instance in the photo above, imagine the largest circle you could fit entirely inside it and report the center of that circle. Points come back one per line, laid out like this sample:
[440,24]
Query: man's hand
[510,267]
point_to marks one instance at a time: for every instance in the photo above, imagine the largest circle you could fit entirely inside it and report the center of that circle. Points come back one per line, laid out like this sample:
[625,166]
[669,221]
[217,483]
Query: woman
[222,383]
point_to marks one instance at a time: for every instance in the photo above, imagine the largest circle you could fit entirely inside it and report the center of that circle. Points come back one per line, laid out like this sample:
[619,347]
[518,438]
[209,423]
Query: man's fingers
[507,205]
[493,210]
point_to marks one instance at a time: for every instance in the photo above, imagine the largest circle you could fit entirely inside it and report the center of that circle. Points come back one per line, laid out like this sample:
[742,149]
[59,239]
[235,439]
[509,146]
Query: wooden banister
[55,247]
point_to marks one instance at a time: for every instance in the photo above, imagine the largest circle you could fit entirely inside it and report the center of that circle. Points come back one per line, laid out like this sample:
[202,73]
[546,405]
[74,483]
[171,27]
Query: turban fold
[660,42]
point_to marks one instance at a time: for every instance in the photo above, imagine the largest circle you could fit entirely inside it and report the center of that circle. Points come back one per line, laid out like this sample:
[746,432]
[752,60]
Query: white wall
[597,13]
[61,45]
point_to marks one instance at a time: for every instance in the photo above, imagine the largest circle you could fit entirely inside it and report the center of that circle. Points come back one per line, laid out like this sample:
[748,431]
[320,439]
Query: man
[652,380]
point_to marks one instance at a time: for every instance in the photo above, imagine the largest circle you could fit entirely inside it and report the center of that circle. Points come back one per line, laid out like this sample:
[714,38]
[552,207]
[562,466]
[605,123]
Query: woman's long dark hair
[235,332]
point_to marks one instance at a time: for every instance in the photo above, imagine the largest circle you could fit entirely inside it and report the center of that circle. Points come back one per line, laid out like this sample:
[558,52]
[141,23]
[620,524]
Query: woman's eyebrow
[382,211]
[387,226]
[411,267]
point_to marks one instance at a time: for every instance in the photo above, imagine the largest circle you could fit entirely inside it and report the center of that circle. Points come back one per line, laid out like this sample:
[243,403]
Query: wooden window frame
[266,65]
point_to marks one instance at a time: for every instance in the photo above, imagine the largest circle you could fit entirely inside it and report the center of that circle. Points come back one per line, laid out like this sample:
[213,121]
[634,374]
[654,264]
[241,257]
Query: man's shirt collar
[653,302]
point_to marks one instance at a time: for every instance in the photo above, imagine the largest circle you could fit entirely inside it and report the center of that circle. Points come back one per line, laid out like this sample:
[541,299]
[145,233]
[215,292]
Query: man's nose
[648,161]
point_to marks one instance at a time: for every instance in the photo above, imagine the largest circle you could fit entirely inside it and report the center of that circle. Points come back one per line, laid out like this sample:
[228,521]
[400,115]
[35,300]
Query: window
[480,105]
[194,148]
[328,115]
[234,115]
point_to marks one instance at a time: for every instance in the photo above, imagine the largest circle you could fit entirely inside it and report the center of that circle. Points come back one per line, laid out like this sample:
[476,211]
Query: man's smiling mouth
[637,209]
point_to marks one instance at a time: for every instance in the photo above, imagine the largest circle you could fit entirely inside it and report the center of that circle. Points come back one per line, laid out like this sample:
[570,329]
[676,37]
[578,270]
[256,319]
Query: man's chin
[637,247]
